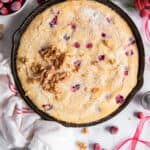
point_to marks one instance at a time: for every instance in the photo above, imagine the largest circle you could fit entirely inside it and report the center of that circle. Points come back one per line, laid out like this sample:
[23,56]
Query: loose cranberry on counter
[15,6]
[139,115]
[96,146]
[113,129]
[4,11]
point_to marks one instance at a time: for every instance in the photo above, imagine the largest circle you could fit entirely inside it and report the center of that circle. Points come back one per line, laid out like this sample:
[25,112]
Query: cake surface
[78,61]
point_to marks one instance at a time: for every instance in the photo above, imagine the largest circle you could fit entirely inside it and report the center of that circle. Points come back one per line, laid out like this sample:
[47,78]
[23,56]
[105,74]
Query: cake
[77,61]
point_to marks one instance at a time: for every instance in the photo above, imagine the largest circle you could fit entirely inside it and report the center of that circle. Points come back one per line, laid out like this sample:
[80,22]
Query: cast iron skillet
[16,41]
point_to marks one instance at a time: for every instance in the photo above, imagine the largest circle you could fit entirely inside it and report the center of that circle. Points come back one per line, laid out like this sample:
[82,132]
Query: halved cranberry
[4,11]
[77,63]
[119,99]
[114,130]
[101,57]
[140,115]
[54,21]
[75,88]
[47,106]
[76,45]
[103,35]
[66,37]
[73,26]
[129,52]
[96,146]
[89,45]
[15,6]
[126,71]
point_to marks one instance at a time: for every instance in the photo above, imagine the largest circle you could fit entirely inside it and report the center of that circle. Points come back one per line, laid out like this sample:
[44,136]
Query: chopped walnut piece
[95,90]
[37,68]
[82,145]
[58,61]
[111,61]
[107,43]
[85,131]
[49,84]
[53,55]
[94,62]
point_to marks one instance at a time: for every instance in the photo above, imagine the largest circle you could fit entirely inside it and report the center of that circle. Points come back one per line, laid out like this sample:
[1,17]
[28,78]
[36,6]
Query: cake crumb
[85,131]
[81,145]
[1,26]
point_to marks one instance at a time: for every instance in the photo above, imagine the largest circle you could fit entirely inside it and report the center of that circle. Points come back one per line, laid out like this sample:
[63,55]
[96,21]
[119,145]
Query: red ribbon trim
[136,136]
[11,86]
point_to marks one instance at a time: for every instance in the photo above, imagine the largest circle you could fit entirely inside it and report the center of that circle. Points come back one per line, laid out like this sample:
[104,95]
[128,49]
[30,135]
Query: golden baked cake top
[78,61]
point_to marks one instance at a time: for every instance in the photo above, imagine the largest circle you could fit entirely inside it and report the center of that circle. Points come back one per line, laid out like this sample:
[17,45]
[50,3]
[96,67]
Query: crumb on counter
[82,145]
[85,131]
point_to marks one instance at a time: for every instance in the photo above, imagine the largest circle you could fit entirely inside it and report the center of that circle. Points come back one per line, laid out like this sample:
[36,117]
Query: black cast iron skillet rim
[16,41]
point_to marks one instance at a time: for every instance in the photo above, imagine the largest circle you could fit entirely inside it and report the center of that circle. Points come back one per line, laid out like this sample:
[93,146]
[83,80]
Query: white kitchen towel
[21,127]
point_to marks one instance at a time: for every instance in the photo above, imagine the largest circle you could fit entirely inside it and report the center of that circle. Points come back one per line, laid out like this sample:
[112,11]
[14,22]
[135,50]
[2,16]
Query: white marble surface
[126,121]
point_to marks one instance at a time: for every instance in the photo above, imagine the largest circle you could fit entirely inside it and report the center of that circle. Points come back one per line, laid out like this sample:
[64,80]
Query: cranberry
[140,115]
[53,22]
[103,35]
[131,41]
[77,63]
[73,26]
[4,11]
[75,88]
[101,57]
[114,130]
[47,106]
[119,99]
[89,45]
[15,6]
[1,4]
[96,146]
[76,45]
[126,71]
[129,53]
[66,37]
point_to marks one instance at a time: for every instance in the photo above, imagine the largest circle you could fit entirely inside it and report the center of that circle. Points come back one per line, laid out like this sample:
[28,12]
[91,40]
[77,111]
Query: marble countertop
[126,121]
